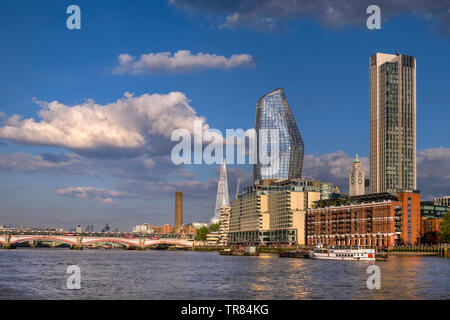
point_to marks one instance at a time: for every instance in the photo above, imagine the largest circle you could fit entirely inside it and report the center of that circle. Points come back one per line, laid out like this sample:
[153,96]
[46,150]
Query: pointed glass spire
[222,199]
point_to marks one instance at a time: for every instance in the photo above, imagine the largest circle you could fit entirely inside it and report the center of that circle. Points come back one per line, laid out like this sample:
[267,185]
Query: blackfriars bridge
[80,241]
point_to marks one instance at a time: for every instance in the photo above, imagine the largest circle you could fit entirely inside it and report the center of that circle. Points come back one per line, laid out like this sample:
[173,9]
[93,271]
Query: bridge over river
[80,241]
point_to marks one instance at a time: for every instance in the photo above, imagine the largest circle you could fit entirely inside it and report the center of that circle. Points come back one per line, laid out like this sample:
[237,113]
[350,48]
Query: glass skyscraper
[273,112]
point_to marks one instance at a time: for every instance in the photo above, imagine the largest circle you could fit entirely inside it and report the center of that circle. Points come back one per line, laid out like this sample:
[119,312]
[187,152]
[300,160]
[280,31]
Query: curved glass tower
[273,112]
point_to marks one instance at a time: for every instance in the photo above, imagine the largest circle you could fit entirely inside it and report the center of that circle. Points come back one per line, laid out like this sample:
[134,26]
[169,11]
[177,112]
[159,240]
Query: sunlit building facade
[392,123]
[273,212]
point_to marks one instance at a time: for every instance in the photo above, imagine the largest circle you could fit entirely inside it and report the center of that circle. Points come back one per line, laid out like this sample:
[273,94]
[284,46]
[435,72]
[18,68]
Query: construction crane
[237,187]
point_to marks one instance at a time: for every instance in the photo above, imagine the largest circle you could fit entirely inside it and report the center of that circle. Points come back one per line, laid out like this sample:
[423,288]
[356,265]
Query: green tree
[214,227]
[444,233]
[201,234]
[203,231]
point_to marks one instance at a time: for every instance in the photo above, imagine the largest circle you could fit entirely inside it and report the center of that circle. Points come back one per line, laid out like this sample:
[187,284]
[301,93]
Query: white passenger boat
[343,253]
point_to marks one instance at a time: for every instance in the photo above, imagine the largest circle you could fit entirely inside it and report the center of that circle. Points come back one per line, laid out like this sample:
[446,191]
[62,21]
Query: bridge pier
[7,243]
[79,244]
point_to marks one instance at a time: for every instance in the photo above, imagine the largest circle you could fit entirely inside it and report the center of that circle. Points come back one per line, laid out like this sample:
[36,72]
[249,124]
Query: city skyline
[51,173]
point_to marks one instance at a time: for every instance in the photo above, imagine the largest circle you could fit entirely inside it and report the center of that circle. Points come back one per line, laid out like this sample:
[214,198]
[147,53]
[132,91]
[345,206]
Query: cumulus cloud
[132,124]
[433,172]
[332,167]
[98,194]
[180,61]
[270,14]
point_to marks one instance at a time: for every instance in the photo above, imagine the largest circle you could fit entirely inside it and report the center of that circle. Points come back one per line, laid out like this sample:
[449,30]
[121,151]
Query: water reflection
[117,274]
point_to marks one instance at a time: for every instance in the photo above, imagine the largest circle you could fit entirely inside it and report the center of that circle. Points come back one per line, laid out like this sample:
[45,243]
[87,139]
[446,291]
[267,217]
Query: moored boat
[296,254]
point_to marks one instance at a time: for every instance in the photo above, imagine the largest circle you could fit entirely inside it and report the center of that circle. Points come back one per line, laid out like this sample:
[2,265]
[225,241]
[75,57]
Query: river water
[153,274]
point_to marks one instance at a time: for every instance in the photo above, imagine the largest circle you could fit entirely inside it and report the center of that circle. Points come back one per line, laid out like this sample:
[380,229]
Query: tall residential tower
[392,123]
[273,112]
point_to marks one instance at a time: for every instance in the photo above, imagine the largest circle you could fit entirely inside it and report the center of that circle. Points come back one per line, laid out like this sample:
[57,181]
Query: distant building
[382,220]
[79,229]
[430,230]
[187,231]
[89,228]
[431,210]
[356,178]
[212,238]
[164,229]
[443,201]
[224,226]
[198,225]
[430,225]
[274,112]
[143,228]
[367,187]
[392,123]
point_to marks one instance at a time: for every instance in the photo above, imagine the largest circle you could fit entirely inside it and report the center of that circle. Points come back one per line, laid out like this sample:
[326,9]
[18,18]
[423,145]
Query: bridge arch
[170,242]
[43,238]
[116,240]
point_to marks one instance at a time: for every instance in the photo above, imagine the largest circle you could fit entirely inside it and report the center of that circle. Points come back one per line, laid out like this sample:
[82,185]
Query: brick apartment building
[382,220]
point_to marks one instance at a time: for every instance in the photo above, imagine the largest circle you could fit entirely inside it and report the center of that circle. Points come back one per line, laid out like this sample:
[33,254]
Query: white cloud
[141,124]
[98,194]
[180,61]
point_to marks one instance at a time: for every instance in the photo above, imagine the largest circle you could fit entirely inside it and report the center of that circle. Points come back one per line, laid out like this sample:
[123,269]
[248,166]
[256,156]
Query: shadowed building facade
[273,113]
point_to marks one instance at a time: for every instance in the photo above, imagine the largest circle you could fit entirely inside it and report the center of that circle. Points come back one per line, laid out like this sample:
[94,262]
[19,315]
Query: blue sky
[322,66]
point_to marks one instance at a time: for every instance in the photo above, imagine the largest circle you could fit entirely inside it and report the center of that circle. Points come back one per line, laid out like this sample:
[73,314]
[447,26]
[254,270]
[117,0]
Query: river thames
[154,274]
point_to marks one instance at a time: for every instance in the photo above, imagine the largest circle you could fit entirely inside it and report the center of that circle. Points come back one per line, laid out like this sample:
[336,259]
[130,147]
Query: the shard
[222,199]
[273,113]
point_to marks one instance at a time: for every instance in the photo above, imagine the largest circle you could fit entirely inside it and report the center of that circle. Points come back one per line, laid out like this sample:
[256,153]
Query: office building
[442,201]
[382,220]
[431,210]
[392,123]
[212,238]
[224,226]
[356,179]
[273,114]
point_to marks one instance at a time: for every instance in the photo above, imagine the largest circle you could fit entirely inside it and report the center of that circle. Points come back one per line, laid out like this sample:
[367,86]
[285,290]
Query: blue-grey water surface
[153,274]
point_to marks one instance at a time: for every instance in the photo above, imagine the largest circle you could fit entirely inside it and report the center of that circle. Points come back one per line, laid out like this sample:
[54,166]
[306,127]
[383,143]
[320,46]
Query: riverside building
[382,220]
[272,212]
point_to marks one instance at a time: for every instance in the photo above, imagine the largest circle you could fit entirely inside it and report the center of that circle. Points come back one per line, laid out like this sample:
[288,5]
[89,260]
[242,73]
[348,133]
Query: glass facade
[273,112]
